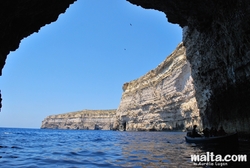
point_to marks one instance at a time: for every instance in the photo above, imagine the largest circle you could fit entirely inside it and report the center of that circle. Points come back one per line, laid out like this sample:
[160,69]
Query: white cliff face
[163,99]
[86,119]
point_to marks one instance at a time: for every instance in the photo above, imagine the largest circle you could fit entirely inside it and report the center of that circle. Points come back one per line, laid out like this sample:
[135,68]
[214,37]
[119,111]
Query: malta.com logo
[209,159]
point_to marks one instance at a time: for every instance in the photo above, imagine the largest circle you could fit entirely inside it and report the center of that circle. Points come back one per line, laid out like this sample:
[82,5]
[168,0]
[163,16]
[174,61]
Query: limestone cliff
[86,119]
[163,99]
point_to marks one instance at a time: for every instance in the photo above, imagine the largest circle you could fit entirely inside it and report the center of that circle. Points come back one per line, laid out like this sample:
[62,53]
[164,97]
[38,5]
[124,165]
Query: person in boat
[213,132]
[194,132]
[206,132]
[221,131]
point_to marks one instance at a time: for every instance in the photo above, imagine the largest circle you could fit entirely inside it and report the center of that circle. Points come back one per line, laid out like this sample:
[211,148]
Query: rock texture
[217,40]
[163,99]
[86,119]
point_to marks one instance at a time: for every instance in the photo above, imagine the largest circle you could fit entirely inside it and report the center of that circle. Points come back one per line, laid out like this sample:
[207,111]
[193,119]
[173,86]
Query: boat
[228,138]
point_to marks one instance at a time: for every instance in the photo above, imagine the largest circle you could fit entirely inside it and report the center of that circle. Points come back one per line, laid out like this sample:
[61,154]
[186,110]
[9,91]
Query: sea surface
[95,148]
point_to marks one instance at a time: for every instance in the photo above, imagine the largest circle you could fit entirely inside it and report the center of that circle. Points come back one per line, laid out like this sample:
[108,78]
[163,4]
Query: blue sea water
[95,148]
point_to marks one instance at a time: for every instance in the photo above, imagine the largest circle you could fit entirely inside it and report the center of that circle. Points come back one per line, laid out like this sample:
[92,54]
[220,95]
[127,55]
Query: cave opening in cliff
[82,60]
[124,126]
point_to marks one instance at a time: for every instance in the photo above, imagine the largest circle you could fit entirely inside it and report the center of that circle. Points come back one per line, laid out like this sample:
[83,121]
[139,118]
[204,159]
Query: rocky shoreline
[85,119]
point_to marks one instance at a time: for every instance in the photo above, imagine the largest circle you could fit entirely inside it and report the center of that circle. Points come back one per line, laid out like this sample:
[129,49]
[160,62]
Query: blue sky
[82,60]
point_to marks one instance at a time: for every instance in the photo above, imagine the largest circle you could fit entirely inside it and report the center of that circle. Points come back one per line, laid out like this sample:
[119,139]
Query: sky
[82,60]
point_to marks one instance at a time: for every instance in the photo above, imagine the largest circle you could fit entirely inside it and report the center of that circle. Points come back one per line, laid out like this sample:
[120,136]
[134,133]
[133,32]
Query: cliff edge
[85,119]
[163,99]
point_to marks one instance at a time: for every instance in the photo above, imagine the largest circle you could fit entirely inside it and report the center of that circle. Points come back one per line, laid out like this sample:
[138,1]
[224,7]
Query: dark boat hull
[218,139]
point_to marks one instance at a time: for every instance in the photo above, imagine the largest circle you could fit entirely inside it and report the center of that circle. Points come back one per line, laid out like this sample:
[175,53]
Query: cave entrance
[63,48]
[124,126]
[97,127]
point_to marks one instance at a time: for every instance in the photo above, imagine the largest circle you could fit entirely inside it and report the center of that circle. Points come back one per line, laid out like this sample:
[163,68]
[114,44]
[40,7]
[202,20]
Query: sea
[35,148]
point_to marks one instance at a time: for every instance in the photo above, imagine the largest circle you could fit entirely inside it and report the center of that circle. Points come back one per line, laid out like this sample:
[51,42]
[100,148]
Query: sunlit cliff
[162,99]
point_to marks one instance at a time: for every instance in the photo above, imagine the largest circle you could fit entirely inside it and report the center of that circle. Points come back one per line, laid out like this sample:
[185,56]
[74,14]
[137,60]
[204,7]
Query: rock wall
[217,40]
[221,71]
[163,99]
[86,119]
